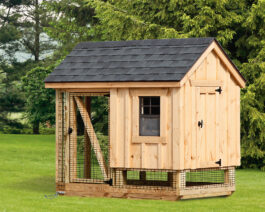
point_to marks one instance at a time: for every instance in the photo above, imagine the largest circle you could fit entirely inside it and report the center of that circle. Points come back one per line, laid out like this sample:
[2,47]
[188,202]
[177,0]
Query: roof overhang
[88,85]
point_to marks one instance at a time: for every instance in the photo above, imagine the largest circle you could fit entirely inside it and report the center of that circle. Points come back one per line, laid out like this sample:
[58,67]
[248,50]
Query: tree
[40,105]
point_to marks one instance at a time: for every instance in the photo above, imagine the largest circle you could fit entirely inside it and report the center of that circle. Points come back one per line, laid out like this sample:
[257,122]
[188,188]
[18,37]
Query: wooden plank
[206,83]
[59,136]
[188,124]
[120,130]
[87,144]
[87,90]
[207,190]
[150,156]
[211,66]
[223,115]
[239,79]
[149,92]
[217,126]
[149,139]
[194,126]
[164,124]
[233,120]
[214,194]
[238,154]
[197,64]
[113,127]
[178,128]
[92,135]
[67,138]
[127,127]
[143,157]
[167,153]
[103,85]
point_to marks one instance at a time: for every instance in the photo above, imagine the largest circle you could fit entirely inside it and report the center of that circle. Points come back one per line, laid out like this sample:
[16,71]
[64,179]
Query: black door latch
[70,130]
[200,123]
[219,162]
[219,90]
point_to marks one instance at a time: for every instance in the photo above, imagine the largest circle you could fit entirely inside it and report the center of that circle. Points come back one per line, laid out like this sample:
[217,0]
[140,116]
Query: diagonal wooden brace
[92,135]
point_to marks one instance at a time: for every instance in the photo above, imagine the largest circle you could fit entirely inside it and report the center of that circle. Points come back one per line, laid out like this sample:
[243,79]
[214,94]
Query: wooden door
[208,115]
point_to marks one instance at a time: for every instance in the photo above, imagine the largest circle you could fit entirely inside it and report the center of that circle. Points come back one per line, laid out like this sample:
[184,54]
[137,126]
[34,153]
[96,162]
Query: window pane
[149,126]
[155,101]
[146,111]
[155,110]
[146,100]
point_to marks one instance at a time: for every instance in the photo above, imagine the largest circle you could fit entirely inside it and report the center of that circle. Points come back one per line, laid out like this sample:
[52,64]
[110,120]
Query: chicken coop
[147,119]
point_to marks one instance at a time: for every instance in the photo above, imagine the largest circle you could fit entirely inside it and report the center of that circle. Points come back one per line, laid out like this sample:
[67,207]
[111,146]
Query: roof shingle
[124,61]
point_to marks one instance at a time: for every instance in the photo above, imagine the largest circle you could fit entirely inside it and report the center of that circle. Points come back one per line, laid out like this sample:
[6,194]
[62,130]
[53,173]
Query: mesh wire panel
[60,141]
[144,179]
[210,177]
[89,140]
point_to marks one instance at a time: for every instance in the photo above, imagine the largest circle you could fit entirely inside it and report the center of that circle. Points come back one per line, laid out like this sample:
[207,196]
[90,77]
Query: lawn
[27,170]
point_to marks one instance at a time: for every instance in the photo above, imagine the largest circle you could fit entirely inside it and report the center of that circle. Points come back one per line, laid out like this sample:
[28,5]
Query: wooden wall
[127,148]
[225,135]
[185,147]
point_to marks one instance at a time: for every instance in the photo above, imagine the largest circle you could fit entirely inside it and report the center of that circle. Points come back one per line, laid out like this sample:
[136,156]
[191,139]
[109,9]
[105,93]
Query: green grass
[27,167]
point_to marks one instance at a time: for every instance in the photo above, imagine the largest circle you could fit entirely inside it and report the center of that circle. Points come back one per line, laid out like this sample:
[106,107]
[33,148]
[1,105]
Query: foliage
[237,25]
[40,104]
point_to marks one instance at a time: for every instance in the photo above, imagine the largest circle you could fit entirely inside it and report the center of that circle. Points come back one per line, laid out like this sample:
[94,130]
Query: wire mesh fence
[88,148]
[209,177]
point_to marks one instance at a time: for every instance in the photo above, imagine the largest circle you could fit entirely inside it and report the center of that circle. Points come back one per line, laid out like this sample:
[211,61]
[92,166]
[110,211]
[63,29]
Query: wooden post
[67,137]
[226,177]
[59,137]
[87,143]
[142,175]
[172,179]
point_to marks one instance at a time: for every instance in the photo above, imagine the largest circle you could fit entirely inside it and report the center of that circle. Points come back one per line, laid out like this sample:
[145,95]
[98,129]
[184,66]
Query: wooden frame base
[105,190]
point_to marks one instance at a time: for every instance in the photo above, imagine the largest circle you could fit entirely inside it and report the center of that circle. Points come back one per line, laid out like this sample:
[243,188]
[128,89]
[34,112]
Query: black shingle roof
[123,61]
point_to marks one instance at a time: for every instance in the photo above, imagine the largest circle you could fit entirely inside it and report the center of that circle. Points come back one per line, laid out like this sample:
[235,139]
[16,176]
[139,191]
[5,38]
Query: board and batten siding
[221,112]
[183,144]
[129,150]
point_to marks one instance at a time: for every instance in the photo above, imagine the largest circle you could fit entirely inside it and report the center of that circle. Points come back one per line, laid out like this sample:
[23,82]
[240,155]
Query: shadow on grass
[43,184]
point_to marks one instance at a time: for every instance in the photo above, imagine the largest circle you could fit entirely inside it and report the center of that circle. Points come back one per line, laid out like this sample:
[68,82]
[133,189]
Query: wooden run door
[208,116]
[87,161]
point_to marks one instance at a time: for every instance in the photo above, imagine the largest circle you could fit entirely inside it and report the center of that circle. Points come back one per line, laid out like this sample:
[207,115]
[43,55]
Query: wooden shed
[173,112]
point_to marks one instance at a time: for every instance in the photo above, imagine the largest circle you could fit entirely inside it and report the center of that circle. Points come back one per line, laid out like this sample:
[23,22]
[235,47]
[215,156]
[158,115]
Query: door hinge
[219,162]
[70,130]
[200,123]
[219,90]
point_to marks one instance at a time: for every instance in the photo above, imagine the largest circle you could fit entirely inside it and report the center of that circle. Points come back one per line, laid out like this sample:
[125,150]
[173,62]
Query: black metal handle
[219,90]
[70,130]
[200,123]
[219,162]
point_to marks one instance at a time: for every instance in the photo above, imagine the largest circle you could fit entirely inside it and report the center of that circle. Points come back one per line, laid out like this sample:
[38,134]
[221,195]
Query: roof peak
[147,42]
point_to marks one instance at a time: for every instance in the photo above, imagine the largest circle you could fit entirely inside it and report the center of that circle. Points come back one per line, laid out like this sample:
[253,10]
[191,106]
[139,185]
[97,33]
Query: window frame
[142,107]
[135,94]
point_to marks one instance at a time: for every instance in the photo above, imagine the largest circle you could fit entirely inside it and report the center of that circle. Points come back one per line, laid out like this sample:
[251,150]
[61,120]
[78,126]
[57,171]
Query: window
[149,116]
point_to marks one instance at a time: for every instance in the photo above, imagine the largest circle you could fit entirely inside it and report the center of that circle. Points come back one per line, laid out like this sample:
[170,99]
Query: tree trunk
[36,127]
